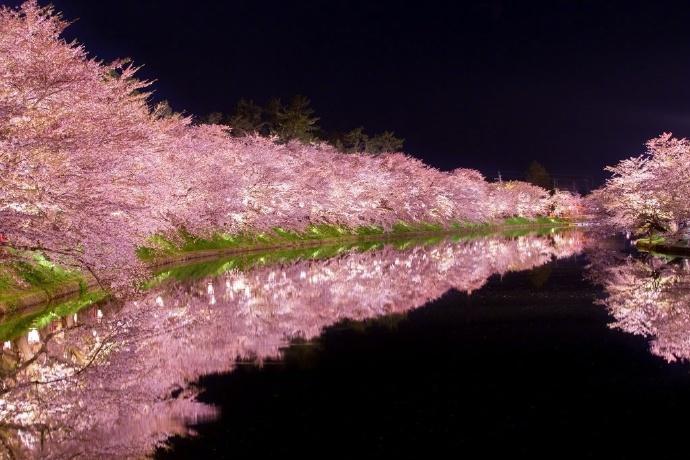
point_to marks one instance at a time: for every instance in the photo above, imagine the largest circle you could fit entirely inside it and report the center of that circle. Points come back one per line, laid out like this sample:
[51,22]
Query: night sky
[485,84]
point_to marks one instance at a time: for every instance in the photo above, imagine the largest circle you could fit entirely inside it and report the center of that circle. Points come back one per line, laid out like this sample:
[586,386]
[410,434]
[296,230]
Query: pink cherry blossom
[649,192]
[89,171]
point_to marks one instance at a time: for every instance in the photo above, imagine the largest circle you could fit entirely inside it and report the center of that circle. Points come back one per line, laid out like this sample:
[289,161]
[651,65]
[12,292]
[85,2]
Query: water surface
[520,344]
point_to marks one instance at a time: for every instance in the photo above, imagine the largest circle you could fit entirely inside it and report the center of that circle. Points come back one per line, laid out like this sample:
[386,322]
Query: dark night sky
[483,84]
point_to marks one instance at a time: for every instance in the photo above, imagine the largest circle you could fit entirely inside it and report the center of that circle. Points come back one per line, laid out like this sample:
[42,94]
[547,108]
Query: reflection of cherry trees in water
[648,296]
[115,380]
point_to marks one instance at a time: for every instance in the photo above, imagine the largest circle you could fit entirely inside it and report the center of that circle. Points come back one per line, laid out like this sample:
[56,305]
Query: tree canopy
[538,175]
[297,120]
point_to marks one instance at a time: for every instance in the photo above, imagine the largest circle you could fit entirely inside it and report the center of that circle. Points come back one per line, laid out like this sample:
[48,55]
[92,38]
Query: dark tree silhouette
[538,175]
[294,121]
[384,143]
[247,118]
[297,121]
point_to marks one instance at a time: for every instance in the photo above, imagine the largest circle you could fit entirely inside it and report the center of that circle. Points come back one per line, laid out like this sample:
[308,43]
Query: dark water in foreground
[526,365]
[549,345]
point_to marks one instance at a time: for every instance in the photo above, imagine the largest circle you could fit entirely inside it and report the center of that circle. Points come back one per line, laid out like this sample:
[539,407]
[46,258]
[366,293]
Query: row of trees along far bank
[296,120]
[90,172]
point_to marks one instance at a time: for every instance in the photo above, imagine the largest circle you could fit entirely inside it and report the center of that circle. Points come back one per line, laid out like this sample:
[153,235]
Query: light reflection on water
[115,380]
[647,295]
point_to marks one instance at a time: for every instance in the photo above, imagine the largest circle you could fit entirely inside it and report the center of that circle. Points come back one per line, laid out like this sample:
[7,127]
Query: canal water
[559,344]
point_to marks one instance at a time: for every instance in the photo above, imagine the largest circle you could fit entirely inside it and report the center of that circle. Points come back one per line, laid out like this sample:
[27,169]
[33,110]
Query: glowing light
[33,336]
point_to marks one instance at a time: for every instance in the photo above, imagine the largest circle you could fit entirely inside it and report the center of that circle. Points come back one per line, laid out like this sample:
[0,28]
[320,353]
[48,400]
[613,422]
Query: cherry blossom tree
[89,170]
[77,147]
[649,193]
[566,204]
[516,198]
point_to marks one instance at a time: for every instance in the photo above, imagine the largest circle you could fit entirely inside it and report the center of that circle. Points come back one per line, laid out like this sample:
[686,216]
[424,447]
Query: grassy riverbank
[666,245]
[34,279]
[162,249]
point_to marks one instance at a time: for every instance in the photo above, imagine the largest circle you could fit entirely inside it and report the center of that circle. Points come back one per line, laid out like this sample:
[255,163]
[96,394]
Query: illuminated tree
[516,198]
[77,147]
[566,204]
[649,193]
[89,170]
